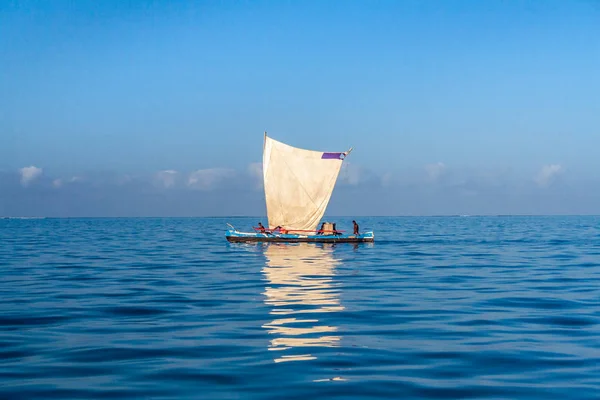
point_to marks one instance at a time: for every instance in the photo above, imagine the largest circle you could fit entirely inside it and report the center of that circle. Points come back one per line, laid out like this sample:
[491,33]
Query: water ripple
[438,307]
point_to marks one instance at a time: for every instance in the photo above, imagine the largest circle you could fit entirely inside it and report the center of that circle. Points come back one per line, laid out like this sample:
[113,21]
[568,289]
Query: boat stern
[368,236]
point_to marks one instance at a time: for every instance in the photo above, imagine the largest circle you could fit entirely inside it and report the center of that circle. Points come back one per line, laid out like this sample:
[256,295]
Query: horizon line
[331,216]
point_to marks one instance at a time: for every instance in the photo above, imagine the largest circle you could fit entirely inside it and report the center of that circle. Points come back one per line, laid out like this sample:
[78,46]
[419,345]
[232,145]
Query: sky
[158,108]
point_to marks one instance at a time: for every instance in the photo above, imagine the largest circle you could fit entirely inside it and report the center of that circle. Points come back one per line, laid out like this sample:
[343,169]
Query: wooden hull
[239,237]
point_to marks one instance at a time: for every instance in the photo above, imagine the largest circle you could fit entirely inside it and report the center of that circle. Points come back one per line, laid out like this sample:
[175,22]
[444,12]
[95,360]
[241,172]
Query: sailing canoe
[298,184]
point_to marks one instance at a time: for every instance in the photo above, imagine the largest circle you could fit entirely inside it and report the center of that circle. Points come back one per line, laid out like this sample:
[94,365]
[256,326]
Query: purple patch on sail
[335,156]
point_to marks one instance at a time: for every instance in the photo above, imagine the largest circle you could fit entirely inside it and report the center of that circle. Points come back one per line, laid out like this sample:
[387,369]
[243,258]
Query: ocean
[438,307]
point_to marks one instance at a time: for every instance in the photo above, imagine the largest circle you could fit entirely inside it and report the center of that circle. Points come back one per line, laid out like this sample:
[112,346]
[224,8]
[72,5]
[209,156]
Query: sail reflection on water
[300,290]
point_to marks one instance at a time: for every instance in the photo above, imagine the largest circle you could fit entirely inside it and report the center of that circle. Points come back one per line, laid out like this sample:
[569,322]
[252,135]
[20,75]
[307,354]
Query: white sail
[298,184]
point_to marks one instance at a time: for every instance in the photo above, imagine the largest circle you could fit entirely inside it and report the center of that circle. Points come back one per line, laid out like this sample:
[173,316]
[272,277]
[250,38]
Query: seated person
[335,232]
[322,230]
[279,229]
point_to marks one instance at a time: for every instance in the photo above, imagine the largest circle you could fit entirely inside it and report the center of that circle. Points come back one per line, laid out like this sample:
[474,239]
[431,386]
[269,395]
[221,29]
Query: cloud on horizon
[60,182]
[208,179]
[256,174]
[29,174]
[166,178]
[548,174]
[435,171]
[438,190]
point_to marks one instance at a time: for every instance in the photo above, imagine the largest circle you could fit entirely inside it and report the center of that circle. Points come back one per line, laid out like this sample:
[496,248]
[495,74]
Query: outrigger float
[298,184]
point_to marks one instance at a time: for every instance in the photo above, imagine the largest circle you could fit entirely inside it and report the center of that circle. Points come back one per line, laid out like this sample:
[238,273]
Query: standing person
[355,227]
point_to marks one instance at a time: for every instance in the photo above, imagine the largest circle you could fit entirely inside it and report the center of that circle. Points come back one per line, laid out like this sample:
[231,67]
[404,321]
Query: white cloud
[351,174]
[435,171]
[206,179]
[547,174]
[255,170]
[166,178]
[387,179]
[29,174]
[124,179]
[256,173]
[59,182]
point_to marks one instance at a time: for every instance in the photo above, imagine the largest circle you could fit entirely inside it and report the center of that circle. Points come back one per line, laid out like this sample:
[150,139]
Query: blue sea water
[437,307]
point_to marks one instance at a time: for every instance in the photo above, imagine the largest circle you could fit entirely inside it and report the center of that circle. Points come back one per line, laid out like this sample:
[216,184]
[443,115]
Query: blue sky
[494,97]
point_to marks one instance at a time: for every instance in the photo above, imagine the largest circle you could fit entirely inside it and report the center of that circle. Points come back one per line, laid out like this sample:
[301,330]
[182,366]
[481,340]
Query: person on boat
[322,230]
[261,228]
[278,229]
[355,227]
[335,232]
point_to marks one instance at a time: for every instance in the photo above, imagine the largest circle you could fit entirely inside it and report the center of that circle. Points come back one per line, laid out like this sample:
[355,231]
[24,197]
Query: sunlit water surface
[449,307]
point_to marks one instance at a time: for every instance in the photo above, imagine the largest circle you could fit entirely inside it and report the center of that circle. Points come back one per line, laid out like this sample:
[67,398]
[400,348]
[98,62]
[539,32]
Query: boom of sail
[298,184]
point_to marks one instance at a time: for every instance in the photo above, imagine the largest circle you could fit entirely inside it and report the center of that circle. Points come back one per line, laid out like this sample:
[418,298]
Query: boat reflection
[300,289]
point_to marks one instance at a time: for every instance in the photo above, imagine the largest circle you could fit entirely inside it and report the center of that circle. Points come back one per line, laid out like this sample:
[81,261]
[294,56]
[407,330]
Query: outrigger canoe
[233,235]
[298,184]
